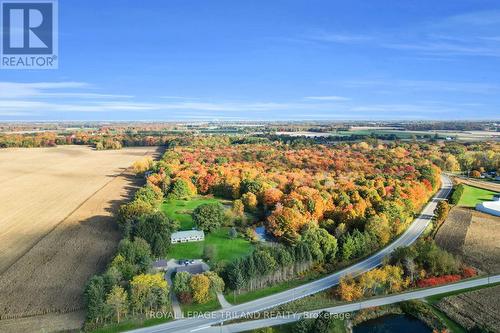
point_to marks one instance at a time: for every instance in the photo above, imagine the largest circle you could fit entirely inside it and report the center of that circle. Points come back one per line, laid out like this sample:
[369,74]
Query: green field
[474,195]
[226,249]
[180,210]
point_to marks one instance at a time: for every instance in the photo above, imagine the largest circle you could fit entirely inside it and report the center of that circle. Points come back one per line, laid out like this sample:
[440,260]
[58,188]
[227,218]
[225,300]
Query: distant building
[187,236]
[490,207]
[192,269]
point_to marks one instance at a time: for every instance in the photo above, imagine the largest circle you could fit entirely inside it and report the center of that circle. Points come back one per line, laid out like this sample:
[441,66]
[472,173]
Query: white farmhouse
[187,236]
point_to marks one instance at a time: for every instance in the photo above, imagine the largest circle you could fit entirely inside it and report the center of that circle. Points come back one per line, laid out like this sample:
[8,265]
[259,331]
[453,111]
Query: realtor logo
[29,34]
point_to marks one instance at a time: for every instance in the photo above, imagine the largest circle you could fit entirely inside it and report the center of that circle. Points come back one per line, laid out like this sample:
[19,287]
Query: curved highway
[199,324]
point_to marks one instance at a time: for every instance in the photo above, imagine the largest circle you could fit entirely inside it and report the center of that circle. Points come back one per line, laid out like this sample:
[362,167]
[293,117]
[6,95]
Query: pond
[393,324]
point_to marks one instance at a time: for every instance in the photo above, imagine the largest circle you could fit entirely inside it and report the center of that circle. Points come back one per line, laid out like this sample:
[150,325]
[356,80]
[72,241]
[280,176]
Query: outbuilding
[490,207]
[187,236]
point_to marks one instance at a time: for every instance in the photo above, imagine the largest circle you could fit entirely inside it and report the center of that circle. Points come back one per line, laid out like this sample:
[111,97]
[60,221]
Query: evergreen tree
[95,294]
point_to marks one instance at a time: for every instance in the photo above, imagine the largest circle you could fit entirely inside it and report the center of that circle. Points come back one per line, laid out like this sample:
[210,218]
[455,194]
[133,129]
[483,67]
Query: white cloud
[327,98]
[324,36]
[428,85]
[17,90]
[469,34]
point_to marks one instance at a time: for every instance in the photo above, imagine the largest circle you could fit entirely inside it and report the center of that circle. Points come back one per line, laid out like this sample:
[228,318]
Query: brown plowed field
[482,244]
[452,233]
[473,236]
[56,223]
[475,309]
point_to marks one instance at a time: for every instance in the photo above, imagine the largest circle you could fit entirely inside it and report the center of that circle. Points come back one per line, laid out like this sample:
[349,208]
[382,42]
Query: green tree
[111,277]
[156,229]
[95,293]
[323,246]
[150,194]
[233,233]
[457,194]
[129,213]
[435,260]
[125,268]
[302,326]
[181,189]
[137,253]
[442,211]
[216,282]
[117,302]
[209,252]
[209,217]
[249,201]
[148,292]
[323,323]
[348,248]
[235,275]
[251,185]
[182,283]
[378,226]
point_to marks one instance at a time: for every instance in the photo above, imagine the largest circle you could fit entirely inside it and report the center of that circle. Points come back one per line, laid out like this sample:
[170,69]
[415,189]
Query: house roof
[490,207]
[187,234]
[192,269]
[160,263]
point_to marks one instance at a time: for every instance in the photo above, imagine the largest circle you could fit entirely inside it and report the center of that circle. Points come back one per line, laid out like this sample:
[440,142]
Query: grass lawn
[190,310]
[253,295]
[180,210]
[131,324]
[337,327]
[474,195]
[450,324]
[226,249]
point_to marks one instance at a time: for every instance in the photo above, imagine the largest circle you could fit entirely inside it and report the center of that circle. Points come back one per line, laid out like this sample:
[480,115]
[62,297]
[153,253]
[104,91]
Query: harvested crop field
[452,233]
[56,226]
[482,244]
[473,236]
[474,309]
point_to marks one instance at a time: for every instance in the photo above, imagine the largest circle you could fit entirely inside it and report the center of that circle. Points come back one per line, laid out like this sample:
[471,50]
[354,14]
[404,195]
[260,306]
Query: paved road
[351,307]
[484,184]
[408,237]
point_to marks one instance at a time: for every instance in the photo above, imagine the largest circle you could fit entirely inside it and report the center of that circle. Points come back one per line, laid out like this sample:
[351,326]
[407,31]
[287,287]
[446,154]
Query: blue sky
[266,60]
